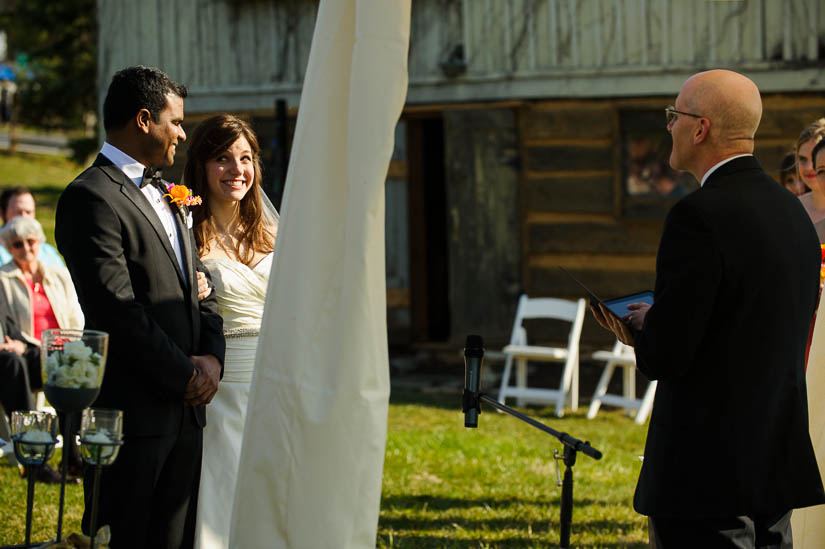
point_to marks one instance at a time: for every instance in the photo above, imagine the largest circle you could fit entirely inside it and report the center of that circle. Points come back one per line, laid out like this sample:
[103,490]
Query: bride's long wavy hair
[211,138]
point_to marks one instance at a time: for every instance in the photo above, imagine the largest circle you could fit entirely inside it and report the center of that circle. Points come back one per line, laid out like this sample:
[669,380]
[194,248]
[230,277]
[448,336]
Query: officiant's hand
[609,322]
[636,316]
[204,383]
[203,287]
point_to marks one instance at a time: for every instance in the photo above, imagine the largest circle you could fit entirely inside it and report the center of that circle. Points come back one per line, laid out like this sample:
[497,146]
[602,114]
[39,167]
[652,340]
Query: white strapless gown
[241,294]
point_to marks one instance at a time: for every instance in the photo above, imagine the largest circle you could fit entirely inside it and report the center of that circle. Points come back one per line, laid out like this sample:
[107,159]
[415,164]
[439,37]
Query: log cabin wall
[483,202]
[512,151]
[576,210]
[242,55]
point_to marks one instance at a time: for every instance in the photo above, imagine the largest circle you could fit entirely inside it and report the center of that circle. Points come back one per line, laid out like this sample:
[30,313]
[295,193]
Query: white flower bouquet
[76,366]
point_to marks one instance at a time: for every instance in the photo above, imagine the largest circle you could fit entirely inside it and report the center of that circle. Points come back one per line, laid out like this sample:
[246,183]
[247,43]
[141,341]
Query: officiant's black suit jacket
[130,285]
[737,276]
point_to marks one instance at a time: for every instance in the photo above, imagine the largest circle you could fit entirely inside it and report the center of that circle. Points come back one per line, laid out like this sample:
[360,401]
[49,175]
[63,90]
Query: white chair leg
[565,385]
[647,403]
[629,385]
[574,391]
[521,378]
[601,389]
[505,379]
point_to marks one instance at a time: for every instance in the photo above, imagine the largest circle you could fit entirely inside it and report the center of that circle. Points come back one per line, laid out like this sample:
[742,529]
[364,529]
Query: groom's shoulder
[91,186]
[92,180]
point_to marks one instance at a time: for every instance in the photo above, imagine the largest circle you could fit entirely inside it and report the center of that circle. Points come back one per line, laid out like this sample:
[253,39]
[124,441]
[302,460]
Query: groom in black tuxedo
[728,455]
[133,261]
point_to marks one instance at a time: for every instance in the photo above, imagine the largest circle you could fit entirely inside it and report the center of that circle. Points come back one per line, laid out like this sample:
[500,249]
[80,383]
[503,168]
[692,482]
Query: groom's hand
[204,383]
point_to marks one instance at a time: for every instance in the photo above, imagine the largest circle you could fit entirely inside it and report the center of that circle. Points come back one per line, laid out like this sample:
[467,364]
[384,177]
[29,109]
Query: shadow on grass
[402,541]
[441,503]
[405,514]
[549,523]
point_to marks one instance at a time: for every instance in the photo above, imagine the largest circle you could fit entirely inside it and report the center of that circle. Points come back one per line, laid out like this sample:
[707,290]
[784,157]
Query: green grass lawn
[450,487]
[45,175]
[494,487]
[46,500]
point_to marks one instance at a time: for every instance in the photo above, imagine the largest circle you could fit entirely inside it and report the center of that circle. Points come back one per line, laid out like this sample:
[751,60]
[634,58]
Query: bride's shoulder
[264,261]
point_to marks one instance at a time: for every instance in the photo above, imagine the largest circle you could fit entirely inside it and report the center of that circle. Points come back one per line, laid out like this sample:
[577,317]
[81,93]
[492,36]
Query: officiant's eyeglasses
[19,244]
[672,114]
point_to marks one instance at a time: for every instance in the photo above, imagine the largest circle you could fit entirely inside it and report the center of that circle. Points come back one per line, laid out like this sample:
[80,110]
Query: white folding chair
[520,351]
[624,357]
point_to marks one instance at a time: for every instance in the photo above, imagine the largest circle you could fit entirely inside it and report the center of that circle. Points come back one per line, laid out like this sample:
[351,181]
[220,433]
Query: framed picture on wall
[650,186]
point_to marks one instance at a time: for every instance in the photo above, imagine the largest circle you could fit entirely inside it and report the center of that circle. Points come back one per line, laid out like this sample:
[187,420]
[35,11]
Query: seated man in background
[17,201]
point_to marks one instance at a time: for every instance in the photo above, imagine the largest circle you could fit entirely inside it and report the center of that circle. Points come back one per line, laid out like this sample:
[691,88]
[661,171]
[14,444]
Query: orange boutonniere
[181,195]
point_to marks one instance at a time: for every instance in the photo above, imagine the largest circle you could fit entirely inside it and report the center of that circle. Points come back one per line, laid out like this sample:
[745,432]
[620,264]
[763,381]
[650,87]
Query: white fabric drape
[313,450]
[808,524]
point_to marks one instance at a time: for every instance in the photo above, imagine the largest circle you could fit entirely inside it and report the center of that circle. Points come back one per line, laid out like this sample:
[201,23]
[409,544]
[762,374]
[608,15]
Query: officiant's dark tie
[150,176]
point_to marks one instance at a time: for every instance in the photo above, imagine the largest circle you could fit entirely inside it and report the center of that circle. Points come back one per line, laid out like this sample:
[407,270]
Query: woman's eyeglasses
[19,244]
[672,114]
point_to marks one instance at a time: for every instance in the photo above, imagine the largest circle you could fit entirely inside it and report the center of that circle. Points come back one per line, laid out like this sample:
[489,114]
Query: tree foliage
[56,86]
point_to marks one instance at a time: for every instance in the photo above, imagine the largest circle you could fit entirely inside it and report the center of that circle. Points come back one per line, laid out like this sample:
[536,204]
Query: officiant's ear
[702,130]
[143,118]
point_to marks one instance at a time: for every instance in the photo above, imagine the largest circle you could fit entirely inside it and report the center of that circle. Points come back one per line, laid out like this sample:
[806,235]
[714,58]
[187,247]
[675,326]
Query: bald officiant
[728,455]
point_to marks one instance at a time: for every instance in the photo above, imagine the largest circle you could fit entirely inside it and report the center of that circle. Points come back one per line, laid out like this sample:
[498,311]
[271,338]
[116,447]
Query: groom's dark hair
[135,88]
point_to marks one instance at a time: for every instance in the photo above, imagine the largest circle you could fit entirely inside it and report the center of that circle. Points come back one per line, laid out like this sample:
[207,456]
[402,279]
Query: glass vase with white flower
[73,363]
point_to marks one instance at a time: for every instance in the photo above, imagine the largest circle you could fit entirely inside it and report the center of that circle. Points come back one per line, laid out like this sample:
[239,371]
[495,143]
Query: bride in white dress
[235,229]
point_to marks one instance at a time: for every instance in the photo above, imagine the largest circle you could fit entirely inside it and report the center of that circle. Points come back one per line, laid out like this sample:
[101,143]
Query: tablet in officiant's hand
[618,305]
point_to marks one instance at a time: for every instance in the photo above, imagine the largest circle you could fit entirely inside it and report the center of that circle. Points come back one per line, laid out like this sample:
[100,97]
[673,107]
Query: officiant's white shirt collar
[128,165]
[715,167]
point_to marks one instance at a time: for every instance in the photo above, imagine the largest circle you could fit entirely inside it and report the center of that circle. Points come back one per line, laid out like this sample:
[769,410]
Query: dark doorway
[429,299]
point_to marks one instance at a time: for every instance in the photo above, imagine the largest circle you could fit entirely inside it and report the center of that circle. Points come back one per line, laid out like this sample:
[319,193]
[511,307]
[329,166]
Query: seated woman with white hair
[36,296]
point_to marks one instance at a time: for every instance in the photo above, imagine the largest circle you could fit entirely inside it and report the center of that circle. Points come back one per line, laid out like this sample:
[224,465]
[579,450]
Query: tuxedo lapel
[136,197]
[183,231]
[186,241]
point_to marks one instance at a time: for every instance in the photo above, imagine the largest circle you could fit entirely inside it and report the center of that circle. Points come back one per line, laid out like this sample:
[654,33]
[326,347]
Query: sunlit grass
[450,487]
[45,175]
[495,486]
[46,500]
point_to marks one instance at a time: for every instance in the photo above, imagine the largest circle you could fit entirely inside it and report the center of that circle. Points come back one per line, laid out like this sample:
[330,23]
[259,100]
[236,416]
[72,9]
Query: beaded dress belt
[241,332]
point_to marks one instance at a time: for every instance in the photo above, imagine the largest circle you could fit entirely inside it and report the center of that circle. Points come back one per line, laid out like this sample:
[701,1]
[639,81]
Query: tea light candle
[35,435]
[97,438]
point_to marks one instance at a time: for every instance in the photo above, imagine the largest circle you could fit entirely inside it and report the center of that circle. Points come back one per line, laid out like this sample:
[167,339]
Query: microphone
[473,357]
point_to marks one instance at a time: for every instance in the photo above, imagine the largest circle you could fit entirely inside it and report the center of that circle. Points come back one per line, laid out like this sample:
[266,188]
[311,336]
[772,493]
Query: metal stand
[566,512]
[32,470]
[95,497]
[64,472]
[96,448]
[571,444]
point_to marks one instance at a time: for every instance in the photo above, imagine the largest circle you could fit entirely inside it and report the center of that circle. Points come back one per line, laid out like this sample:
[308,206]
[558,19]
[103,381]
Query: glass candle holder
[73,363]
[101,435]
[34,435]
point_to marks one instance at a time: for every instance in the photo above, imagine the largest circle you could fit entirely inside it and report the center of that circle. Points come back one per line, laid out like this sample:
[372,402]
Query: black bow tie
[150,175]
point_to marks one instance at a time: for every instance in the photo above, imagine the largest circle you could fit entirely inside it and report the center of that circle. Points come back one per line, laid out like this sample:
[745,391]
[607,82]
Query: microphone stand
[571,444]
